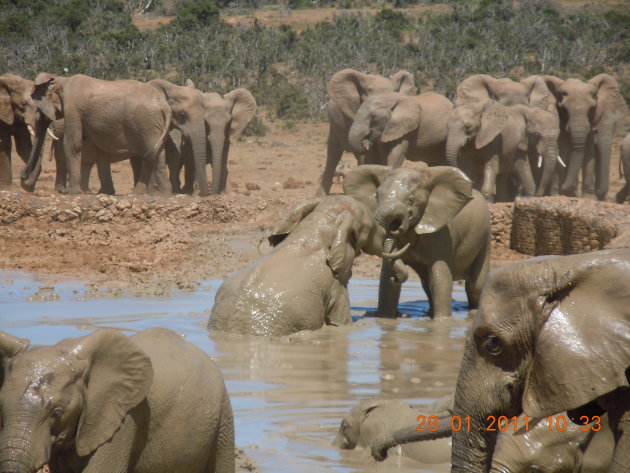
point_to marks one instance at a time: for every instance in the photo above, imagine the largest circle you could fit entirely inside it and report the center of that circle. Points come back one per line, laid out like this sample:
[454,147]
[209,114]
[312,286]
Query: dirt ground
[154,245]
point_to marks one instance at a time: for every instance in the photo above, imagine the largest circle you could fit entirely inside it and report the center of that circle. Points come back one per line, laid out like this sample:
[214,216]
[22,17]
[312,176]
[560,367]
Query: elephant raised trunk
[393,217]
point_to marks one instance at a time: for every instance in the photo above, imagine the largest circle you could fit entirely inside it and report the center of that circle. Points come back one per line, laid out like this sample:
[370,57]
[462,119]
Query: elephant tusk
[540,159]
[52,135]
[30,130]
[561,162]
[396,254]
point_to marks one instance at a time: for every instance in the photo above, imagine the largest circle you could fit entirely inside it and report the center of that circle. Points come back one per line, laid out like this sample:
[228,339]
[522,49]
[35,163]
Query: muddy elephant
[434,222]
[624,162]
[550,334]
[110,403]
[492,143]
[225,119]
[347,90]
[380,425]
[107,121]
[18,115]
[302,283]
[590,113]
[398,126]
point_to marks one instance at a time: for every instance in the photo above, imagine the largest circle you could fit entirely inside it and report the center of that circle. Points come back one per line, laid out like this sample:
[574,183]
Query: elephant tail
[410,435]
[167,115]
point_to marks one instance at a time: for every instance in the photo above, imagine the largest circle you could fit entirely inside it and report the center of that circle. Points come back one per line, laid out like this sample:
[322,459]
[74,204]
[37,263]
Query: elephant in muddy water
[347,90]
[110,403]
[302,283]
[381,425]
[434,222]
[18,116]
[624,162]
[398,126]
[590,113]
[108,121]
[550,334]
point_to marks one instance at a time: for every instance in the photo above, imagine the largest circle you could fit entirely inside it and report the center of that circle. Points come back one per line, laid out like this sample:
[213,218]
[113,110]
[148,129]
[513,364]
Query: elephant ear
[449,190]
[6,110]
[343,250]
[119,376]
[553,84]
[363,182]
[295,216]
[583,346]
[493,119]
[45,96]
[9,347]
[189,83]
[346,88]
[404,83]
[242,104]
[476,88]
[538,92]
[404,119]
[611,107]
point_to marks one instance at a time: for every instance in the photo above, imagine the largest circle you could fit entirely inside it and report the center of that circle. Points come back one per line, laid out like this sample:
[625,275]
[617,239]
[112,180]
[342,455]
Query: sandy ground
[159,244]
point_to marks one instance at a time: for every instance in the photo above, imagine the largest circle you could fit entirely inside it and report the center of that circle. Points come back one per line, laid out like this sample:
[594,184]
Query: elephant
[380,425]
[302,283]
[434,222]
[18,116]
[400,126]
[531,91]
[590,113]
[105,402]
[550,334]
[104,121]
[624,161]
[225,118]
[491,141]
[347,90]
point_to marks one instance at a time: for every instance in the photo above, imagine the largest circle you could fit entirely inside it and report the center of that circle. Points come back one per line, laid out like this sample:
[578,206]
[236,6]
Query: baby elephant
[150,403]
[302,283]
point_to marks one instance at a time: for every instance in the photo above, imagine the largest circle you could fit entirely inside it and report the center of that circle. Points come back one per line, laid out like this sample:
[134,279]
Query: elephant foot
[61,189]
[28,186]
[621,196]
[107,191]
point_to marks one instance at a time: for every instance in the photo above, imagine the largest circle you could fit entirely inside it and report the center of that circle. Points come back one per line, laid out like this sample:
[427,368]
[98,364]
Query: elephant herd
[156,125]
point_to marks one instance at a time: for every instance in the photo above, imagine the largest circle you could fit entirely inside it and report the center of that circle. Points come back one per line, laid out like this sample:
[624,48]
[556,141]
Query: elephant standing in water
[107,121]
[590,113]
[624,157]
[550,334]
[18,116]
[103,403]
[348,89]
[302,283]
[398,126]
[434,222]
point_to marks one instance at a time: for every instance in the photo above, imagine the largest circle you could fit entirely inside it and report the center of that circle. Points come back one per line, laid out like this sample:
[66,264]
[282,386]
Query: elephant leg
[104,168]
[441,283]
[159,180]
[388,291]
[477,275]
[490,171]
[397,153]
[617,403]
[6,173]
[224,456]
[423,272]
[72,141]
[61,171]
[333,156]
[338,310]
[588,170]
[525,177]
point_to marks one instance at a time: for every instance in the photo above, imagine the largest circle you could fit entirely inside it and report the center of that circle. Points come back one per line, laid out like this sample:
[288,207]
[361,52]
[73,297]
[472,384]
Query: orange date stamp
[504,423]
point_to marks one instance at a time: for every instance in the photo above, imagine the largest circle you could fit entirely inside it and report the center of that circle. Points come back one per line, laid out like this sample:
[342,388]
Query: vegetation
[287,71]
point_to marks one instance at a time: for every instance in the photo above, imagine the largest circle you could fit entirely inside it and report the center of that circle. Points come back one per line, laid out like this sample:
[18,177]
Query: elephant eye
[57,412]
[492,345]
[411,200]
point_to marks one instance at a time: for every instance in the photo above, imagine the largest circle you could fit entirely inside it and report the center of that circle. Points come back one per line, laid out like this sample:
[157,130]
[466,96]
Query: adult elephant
[434,222]
[488,140]
[18,115]
[531,91]
[590,113]
[624,156]
[108,403]
[550,334]
[107,121]
[347,90]
[225,118]
[399,126]
[302,283]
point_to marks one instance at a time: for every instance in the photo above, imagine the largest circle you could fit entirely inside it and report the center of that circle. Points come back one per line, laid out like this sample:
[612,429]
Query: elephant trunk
[550,157]
[17,450]
[604,144]
[579,134]
[218,144]
[358,138]
[452,152]
[199,157]
[392,216]
[410,435]
[30,173]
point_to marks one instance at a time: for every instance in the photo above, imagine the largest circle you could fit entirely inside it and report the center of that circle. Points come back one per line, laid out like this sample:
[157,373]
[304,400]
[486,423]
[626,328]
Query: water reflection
[290,393]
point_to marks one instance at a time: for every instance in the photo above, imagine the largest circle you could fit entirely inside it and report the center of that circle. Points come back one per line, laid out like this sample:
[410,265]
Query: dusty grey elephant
[550,334]
[492,142]
[624,161]
[107,121]
[18,115]
[347,90]
[590,113]
[380,425]
[110,403]
[225,119]
[434,222]
[531,91]
[302,283]
[401,126]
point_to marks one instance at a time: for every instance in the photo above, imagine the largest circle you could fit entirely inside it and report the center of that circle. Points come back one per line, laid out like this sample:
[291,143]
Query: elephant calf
[150,403]
[302,283]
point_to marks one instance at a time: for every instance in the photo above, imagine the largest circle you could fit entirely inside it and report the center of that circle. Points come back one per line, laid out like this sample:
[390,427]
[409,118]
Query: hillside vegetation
[287,70]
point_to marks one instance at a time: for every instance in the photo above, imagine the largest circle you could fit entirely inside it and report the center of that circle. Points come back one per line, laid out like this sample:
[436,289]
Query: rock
[250,186]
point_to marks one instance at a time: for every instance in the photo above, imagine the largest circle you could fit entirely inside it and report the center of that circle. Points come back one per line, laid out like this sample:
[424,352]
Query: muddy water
[288,394]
